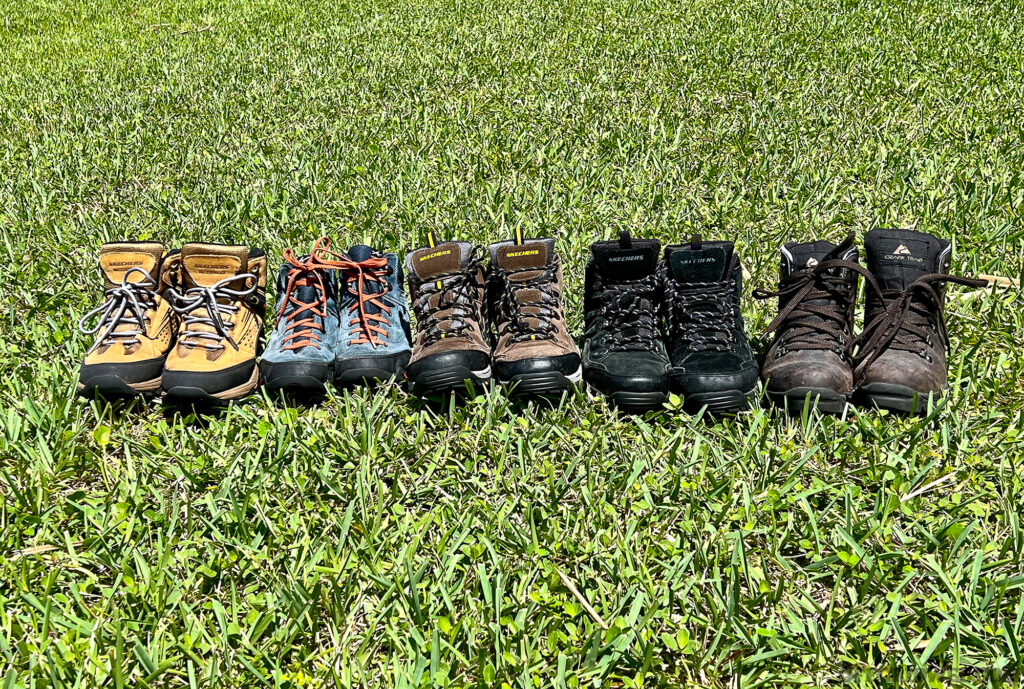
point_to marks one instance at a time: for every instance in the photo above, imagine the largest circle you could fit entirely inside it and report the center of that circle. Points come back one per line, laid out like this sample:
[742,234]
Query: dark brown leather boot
[448,295]
[808,361]
[901,357]
[534,352]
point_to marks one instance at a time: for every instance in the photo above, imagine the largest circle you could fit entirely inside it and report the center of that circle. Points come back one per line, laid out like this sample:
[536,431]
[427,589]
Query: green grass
[371,542]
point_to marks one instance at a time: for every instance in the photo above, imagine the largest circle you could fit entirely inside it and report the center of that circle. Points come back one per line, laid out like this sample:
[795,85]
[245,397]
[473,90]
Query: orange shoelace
[366,327]
[305,332]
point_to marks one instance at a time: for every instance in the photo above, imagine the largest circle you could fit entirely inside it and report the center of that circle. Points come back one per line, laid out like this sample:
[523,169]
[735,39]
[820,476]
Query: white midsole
[577,376]
[482,373]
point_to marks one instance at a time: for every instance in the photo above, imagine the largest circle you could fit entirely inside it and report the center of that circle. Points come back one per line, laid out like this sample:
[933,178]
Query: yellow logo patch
[531,252]
[436,254]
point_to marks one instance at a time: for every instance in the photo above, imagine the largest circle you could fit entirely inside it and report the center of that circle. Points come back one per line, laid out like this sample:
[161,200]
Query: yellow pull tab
[519,235]
[431,239]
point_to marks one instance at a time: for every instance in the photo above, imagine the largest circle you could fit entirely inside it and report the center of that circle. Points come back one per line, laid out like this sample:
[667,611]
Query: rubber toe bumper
[544,376]
[120,380]
[370,368]
[895,397]
[794,400]
[295,376]
[447,372]
[211,386]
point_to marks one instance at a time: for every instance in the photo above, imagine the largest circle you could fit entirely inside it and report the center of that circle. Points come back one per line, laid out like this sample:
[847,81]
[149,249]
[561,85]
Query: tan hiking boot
[221,308]
[136,326]
[447,294]
[534,352]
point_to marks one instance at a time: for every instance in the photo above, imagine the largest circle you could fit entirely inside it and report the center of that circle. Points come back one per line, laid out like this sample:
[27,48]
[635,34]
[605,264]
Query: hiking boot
[809,358]
[374,341]
[534,353]
[712,363]
[300,353]
[447,293]
[136,325]
[221,309]
[623,354]
[901,357]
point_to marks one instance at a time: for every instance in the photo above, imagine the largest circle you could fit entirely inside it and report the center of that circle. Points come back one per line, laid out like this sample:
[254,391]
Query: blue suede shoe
[374,339]
[300,354]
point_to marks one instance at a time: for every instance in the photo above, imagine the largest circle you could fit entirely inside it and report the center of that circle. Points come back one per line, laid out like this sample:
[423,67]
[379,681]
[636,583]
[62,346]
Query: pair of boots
[189,322]
[898,361]
[667,322]
[501,319]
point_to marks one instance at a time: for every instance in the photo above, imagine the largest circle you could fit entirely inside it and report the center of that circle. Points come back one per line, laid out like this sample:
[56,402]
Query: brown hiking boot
[221,330]
[136,325]
[534,352]
[447,294]
[901,360]
[808,361]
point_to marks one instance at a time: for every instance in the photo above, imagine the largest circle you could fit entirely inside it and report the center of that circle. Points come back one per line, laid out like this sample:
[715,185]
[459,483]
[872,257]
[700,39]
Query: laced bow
[514,319]
[125,304]
[906,321]
[627,311]
[455,294]
[208,300]
[367,327]
[305,332]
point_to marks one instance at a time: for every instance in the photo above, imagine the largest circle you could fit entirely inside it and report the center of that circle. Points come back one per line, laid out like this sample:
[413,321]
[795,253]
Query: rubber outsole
[302,377]
[543,384]
[112,386]
[720,401]
[182,394]
[370,370]
[825,400]
[898,398]
[638,402]
[451,379]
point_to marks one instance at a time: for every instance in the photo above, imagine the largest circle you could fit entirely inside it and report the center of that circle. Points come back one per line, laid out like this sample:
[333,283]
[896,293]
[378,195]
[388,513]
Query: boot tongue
[360,252]
[700,261]
[898,257]
[117,258]
[530,255]
[431,261]
[206,264]
[617,263]
[797,257]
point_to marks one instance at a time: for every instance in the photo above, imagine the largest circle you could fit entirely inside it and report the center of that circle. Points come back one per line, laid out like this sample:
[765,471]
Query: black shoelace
[627,312]
[455,308]
[909,320]
[513,317]
[701,316]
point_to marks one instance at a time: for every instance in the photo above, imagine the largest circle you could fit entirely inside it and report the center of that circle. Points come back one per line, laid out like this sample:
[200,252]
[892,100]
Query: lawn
[372,541]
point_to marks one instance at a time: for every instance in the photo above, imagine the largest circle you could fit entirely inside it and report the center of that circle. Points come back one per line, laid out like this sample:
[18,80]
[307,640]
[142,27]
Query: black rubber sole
[824,400]
[370,369]
[898,398]
[183,395]
[112,387]
[299,377]
[451,379]
[542,384]
[637,402]
[719,402]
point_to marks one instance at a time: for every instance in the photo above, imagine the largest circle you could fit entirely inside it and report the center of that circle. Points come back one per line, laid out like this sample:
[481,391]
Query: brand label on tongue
[531,255]
[895,250]
[205,270]
[437,260]
[625,264]
[698,265]
[116,265]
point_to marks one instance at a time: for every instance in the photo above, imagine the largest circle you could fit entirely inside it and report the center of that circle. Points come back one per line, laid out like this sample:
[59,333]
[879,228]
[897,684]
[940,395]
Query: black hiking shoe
[623,355]
[808,361]
[712,363]
[901,357]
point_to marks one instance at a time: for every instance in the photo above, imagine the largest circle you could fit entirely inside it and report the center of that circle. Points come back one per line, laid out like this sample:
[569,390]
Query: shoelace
[207,299]
[304,332]
[701,316]
[627,312]
[809,326]
[365,327]
[905,323]
[514,320]
[125,304]
[456,296]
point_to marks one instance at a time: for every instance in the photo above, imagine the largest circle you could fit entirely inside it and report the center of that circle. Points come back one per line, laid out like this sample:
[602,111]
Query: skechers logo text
[532,252]
[621,259]
[436,254]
